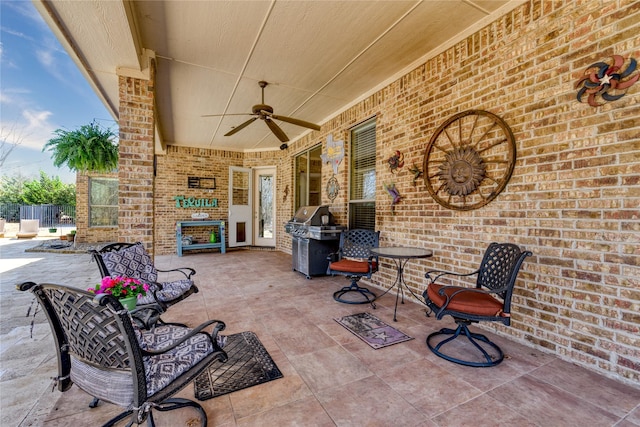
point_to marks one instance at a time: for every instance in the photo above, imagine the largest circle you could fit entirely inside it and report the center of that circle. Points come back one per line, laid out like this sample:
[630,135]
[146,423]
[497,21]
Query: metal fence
[49,215]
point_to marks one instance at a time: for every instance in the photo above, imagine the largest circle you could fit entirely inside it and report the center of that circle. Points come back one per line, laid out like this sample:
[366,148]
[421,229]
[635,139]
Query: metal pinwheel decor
[604,81]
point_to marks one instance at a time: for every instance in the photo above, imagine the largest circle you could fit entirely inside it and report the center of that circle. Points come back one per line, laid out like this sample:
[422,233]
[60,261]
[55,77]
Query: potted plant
[126,289]
[71,235]
[53,230]
[89,148]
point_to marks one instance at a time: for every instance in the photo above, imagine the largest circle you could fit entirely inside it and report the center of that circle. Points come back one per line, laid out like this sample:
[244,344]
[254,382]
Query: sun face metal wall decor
[469,160]
[606,81]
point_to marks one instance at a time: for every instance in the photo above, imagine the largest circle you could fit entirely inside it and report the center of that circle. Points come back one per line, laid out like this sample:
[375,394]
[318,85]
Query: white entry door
[240,207]
[264,203]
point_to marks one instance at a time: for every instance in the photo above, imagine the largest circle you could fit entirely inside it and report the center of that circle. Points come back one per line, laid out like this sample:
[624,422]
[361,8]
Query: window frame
[92,206]
[360,171]
[298,199]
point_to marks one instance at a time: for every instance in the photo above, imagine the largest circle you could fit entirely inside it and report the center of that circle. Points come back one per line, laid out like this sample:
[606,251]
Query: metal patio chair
[355,260]
[488,301]
[132,260]
[103,353]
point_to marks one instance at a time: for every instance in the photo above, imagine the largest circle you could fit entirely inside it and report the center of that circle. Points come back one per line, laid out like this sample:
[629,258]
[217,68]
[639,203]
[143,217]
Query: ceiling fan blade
[224,115]
[240,127]
[297,122]
[276,130]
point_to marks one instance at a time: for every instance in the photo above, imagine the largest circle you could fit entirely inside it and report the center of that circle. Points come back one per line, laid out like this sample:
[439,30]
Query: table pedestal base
[399,282]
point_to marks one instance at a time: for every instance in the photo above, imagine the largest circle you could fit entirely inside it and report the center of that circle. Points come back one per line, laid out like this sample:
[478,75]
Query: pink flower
[120,287]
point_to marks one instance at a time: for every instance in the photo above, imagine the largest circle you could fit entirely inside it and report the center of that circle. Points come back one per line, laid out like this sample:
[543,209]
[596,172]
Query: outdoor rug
[249,364]
[372,330]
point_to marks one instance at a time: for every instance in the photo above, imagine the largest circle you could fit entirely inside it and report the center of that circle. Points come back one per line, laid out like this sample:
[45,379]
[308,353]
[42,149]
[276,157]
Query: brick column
[135,165]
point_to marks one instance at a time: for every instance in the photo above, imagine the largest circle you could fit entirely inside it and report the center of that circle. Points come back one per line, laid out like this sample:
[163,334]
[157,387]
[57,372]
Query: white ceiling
[319,57]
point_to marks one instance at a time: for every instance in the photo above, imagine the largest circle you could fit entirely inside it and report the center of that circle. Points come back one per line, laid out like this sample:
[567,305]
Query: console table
[220,244]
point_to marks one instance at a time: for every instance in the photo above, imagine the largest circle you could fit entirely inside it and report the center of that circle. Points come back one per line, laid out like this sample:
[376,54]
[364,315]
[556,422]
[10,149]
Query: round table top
[402,252]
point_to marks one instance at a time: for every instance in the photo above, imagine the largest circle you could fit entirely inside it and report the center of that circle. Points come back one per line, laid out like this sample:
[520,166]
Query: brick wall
[574,196]
[173,170]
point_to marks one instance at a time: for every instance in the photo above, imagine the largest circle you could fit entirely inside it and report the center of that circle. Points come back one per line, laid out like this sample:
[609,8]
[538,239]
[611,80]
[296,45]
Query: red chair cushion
[352,266]
[481,304]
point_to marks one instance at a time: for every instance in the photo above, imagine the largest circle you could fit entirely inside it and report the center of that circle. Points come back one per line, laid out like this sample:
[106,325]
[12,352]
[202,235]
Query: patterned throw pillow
[133,261]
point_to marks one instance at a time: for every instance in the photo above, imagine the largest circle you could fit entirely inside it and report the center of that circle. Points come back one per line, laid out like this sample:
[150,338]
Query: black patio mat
[249,364]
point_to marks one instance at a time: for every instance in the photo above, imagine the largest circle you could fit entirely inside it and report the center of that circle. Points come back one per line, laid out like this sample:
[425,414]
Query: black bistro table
[401,256]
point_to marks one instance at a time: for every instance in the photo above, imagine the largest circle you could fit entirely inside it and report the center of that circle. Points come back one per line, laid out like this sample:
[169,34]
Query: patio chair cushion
[133,261]
[352,266]
[169,291]
[160,370]
[28,228]
[474,302]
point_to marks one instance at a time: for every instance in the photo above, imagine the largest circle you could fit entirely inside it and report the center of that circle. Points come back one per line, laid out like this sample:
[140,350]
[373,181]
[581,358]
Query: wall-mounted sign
[200,182]
[192,202]
[334,153]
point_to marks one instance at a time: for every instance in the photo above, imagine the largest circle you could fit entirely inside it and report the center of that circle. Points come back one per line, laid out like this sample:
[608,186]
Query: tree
[9,140]
[42,191]
[11,189]
[88,149]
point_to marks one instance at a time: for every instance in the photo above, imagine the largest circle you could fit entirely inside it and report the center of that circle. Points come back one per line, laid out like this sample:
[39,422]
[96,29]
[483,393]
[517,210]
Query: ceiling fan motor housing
[259,108]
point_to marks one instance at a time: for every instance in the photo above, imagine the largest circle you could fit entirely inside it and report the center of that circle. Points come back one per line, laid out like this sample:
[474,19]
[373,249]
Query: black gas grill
[314,235]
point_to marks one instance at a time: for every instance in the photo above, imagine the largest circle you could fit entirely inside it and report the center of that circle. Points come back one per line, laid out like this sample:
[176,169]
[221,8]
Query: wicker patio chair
[488,301]
[132,260]
[355,260]
[104,354]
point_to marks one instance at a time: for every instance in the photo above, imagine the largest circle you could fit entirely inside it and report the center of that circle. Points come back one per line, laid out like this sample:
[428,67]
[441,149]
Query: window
[308,170]
[103,202]
[362,194]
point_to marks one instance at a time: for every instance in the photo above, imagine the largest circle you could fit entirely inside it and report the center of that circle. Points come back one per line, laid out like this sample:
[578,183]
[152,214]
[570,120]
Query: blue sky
[41,90]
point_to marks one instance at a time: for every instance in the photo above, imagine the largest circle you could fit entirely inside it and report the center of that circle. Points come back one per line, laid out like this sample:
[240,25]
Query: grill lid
[312,215]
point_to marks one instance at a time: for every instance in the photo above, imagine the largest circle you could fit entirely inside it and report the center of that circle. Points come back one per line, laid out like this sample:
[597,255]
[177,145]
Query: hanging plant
[90,148]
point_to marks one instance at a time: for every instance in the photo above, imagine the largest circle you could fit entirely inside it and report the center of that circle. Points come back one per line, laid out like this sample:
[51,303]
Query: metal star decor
[604,81]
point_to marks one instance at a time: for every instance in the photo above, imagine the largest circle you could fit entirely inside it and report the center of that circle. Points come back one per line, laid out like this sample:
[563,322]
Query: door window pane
[265,210]
[240,188]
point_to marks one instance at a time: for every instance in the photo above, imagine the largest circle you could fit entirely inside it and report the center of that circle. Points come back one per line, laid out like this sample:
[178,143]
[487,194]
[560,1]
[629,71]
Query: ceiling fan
[265,112]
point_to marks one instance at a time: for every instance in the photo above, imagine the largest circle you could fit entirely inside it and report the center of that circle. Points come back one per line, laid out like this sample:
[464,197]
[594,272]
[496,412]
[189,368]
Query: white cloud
[45,57]
[32,130]
[39,129]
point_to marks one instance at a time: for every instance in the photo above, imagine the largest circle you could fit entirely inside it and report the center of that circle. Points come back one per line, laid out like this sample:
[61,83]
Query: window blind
[362,207]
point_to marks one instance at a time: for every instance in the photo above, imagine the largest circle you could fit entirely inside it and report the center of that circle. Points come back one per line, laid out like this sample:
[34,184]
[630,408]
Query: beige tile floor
[331,378]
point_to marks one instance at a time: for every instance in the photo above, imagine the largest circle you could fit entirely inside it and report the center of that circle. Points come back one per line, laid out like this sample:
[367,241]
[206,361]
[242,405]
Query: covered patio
[330,377]
[564,184]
